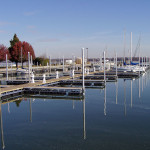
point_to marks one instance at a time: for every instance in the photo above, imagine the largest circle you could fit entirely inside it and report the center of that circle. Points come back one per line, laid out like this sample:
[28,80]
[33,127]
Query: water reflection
[30,110]
[131,93]
[84,129]
[145,80]
[84,125]
[8,108]
[116,92]
[139,89]
[2,134]
[73,105]
[18,102]
[126,88]
[105,101]
[1,120]
[125,91]
[125,112]
[142,81]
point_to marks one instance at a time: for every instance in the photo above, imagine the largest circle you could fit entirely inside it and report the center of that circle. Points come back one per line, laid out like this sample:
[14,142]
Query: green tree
[12,43]
[18,102]
[14,40]
[41,61]
[38,60]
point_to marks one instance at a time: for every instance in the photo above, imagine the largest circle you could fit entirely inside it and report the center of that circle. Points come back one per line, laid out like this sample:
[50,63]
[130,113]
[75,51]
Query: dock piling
[44,81]
[83,85]
[87,71]
[116,64]
[57,75]
[93,69]
[32,78]
[104,69]
[73,73]
[6,68]
[49,64]
[29,65]
[63,64]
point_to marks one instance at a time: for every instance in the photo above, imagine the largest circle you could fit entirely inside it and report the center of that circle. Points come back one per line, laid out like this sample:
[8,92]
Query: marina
[45,114]
[74,75]
[76,104]
[95,79]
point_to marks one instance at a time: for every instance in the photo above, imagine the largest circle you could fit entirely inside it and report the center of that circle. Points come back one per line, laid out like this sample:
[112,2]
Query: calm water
[110,119]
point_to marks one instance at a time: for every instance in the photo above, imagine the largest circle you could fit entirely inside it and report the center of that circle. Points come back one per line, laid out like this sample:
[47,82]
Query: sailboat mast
[131,47]
[124,44]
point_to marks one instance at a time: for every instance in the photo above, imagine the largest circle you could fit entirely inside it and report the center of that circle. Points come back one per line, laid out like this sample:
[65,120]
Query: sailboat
[132,67]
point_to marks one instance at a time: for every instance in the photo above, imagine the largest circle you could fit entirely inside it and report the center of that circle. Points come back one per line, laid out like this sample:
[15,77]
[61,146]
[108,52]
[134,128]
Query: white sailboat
[130,68]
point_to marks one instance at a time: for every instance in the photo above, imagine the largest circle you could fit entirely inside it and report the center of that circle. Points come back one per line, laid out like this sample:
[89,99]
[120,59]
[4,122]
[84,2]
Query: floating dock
[88,83]
[13,91]
[54,91]
[109,78]
[120,74]
[92,80]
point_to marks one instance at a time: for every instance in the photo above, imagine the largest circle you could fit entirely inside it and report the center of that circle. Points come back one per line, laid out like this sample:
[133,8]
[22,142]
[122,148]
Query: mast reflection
[84,129]
[131,93]
[8,108]
[125,110]
[2,134]
[30,110]
[139,88]
[105,101]
[73,106]
[116,92]
[146,80]
[142,82]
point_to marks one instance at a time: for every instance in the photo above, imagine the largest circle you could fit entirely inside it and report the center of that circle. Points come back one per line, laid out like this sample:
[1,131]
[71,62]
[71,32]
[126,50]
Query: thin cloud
[3,23]
[30,13]
[31,27]
[48,40]
[33,31]
[66,35]
[2,31]
[105,33]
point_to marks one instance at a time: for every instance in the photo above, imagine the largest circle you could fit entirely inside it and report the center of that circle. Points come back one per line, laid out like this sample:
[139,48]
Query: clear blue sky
[62,27]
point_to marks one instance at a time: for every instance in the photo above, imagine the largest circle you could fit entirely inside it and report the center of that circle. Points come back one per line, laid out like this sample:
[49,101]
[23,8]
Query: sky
[62,27]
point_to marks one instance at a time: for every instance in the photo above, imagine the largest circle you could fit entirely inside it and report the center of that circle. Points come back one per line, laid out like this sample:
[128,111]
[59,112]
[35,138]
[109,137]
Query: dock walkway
[10,89]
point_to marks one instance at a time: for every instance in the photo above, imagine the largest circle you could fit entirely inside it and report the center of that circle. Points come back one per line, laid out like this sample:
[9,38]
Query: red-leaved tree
[16,52]
[3,52]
